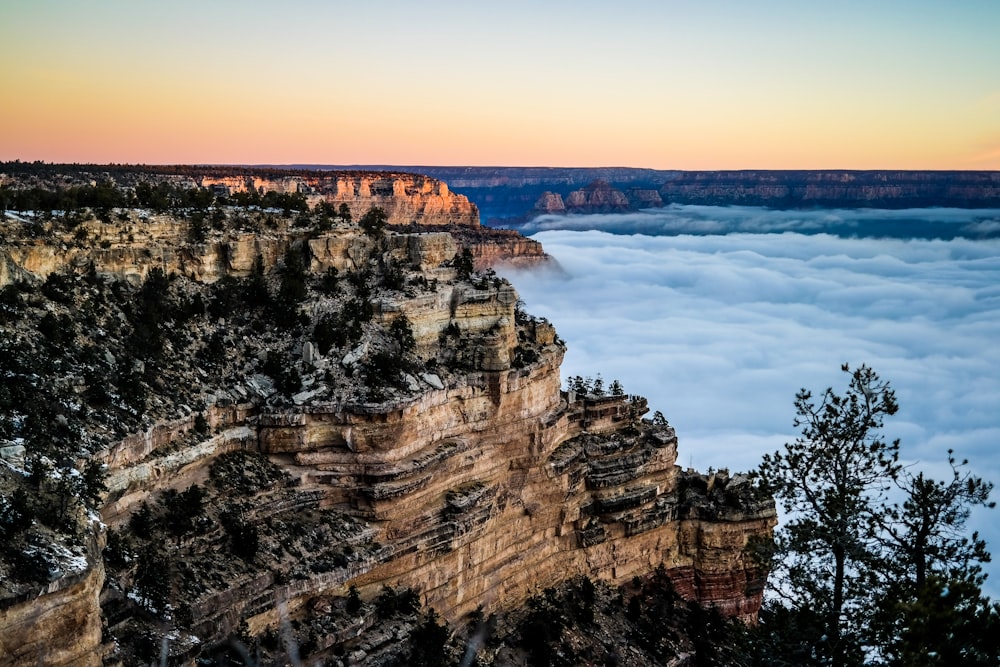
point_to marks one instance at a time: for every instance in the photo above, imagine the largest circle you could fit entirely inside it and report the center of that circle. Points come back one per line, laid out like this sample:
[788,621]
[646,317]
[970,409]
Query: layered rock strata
[59,624]
[477,483]
[132,249]
[406,198]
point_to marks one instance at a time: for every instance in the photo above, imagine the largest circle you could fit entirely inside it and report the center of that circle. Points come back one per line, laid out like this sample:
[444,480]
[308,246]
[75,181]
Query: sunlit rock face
[406,198]
[550,202]
[598,197]
[136,241]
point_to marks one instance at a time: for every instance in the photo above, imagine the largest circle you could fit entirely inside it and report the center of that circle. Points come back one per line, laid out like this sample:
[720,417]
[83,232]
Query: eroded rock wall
[406,198]
[478,484]
[59,625]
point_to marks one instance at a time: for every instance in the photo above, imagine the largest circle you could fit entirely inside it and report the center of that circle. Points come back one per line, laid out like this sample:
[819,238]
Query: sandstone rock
[644,198]
[478,484]
[550,202]
[432,379]
[58,625]
[12,453]
[598,197]
[261,385]
[355,355]
[503,248]
[310,354]
[406,198]
[306,396]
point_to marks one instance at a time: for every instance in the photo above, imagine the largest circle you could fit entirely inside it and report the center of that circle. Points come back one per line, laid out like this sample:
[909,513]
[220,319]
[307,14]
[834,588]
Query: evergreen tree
[926,532]
[402,334]
[373,222]
[465,264]
[830,481]
[153,578]
[859,577]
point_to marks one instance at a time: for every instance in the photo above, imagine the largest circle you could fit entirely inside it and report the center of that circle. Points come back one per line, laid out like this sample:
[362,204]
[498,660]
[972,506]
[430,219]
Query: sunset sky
[663,84]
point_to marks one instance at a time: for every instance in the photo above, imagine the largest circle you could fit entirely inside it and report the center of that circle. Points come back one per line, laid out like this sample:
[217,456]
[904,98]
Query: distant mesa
[509,195]
[597,197]
[550,202]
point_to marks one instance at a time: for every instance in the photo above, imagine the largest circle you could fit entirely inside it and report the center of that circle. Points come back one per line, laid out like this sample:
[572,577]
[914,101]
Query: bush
[244,536]
[373,222]
[392,602]
[354,603]
[16,514]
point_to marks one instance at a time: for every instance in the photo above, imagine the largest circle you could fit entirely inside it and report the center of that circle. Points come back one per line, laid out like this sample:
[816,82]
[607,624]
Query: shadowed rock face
[59,624]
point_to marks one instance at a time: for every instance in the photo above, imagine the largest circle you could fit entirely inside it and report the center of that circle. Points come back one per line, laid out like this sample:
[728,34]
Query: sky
[667,84]
[720,331]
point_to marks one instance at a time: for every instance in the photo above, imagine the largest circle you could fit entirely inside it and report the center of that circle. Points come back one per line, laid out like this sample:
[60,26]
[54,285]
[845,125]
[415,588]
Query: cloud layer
[719,332]
[944,223]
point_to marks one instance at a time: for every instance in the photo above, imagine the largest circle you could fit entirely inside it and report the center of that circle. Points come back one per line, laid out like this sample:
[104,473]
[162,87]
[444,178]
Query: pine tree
[830,481]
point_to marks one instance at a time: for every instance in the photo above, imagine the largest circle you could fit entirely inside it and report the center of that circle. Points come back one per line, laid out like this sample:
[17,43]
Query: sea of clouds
[926,223]
[720,329]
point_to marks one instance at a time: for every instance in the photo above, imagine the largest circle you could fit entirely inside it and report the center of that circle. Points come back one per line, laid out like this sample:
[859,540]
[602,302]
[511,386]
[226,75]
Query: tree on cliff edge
[852,571]
[829,481]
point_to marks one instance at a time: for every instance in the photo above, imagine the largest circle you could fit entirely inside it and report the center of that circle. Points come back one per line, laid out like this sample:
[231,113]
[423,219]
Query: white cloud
[719,332]
[715,220]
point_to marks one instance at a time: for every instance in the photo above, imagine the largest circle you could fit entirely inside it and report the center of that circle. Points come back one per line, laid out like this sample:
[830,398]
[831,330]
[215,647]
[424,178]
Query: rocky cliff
[835,189]
[289,420]
[208,245]
[57,624]
[406,198]
[506,195]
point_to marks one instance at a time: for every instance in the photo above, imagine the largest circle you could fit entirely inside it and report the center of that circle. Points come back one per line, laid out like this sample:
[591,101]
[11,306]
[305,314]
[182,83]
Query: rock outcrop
[504,248]
[467,475]
[507,195]
[550,202]
[597,197]
[59,624]
[140,240]
[406,198]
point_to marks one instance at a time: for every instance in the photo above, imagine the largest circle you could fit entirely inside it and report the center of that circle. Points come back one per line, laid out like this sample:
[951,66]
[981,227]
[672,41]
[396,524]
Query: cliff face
[509,194]
[479,490]
[59,624]
[504,248]
[138,241]
[131,250]
[598,197]
[439,455]
[406,198]
[835,189]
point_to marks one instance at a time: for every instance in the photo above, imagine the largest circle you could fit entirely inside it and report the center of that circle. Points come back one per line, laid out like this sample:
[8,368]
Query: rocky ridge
[429,448]
[406,198]
[509,195]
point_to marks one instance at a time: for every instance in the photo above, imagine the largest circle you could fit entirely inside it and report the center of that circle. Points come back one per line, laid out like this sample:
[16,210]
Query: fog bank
[719,332]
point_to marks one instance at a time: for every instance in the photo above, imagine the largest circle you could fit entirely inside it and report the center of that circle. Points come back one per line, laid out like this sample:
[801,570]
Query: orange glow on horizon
[682,89]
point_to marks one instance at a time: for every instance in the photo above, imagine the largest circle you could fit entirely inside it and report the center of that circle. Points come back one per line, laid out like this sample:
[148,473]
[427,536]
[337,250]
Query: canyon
[447,459]
[510,195]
